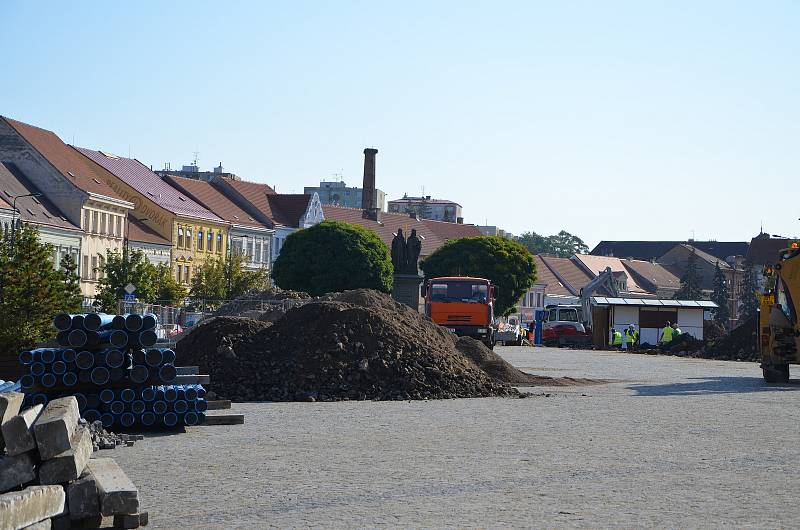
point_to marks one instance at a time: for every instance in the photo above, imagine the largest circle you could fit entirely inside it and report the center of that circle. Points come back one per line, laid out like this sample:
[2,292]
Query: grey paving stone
[17,470]
[118,495]
[18,432]
[70,464]
[83,497]
[19,509]
[55,426]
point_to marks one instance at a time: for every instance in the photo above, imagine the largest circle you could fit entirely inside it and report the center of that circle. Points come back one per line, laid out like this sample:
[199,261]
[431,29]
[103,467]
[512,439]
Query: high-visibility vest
[617,339]
[666,334]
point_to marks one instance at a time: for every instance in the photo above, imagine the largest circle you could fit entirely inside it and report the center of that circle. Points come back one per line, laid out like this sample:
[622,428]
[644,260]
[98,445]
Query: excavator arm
[604,279]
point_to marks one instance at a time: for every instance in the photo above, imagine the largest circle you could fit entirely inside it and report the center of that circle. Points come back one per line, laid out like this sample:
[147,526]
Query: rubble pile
[258,300]
[354,345]
[740,344]
[47,476]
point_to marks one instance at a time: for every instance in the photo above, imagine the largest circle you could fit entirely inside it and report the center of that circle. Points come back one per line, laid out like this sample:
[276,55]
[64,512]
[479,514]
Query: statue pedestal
[406,289]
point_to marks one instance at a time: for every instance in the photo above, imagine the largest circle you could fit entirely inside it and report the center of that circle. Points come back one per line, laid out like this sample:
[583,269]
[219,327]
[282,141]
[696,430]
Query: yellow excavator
[779,330]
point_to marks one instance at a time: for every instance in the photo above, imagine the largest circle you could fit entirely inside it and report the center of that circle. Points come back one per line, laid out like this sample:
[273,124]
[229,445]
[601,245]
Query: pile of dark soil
[258,300]
[212,342]
[740,344]
[501,370]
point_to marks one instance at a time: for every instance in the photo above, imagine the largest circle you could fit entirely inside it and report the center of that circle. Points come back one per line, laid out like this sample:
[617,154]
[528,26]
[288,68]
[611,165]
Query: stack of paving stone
[112,367]
[47,478]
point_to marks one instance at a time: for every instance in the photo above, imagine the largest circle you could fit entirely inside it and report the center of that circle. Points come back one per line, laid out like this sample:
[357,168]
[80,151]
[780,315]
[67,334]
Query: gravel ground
[675,443]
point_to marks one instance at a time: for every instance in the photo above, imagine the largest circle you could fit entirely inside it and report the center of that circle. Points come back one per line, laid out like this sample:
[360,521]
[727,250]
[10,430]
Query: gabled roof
[83,173]
[705,256]
[765,250]
[213,199]
[287,209]
[572,277]
[597,264]
[387,227]
[448,231]
[138,231]
[34,210]
[544,276]
[651,276]
[4,205]
[650,250]
[139,177]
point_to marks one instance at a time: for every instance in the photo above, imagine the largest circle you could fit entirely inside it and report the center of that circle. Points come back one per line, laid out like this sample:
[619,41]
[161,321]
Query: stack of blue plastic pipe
[111,365]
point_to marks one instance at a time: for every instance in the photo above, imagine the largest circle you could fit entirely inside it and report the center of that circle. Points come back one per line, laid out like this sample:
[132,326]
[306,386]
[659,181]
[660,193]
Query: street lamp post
[14,212]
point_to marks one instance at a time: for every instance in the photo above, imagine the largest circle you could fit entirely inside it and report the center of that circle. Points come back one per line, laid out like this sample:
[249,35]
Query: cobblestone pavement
[674,443]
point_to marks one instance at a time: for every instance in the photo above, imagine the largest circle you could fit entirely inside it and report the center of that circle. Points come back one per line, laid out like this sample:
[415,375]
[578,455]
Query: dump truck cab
[779,331]
[462,304]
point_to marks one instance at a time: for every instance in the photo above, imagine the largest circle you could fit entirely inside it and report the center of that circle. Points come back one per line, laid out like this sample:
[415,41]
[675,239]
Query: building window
[178,273]
[200,240]
[85,271]
[265,256]
[103,223]
[95,226]
[188,272]
[257,253]
[189,238]
[94,267]
[219,242]
[118,226]
[180,245]
[210,246]
[101,264]
[86,219]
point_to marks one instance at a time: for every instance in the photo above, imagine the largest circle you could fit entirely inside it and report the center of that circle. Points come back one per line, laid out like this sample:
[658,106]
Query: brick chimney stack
[368,196]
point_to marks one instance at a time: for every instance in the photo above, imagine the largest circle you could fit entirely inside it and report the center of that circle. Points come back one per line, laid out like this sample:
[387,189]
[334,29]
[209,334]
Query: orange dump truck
[462,304]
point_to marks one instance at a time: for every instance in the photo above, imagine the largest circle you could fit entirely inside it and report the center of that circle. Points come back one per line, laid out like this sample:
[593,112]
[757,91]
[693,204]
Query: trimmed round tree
[508,264]
[333,256]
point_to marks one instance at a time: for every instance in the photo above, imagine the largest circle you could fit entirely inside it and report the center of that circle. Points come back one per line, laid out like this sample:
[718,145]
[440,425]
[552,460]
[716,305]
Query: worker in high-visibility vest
[666,334]
[616,338]
[633,336]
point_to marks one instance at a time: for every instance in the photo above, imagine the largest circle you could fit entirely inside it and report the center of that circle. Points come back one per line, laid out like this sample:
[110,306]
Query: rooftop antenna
[194,162]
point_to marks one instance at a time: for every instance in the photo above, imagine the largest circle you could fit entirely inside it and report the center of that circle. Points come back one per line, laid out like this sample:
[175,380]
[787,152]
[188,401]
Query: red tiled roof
[255,193]
[83,173]
[651,273]
[213,199]
[447,231]
[138,231]
[288,209]
[569,271]
[597,264]
[387,227]
[34,210]
[544,276]
[4,204]
[139,177]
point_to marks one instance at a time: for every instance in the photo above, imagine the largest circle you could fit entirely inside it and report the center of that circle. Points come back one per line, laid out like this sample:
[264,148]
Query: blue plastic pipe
[117,408]
[139,356]
[77,321]
[37,369]
[27,357]
[69,379]
[169,356]
[127,395]
[149,321]
[48,355]
[190,391]
[107,419]
[201,405]
[106,395]
[170,419]
[133,322]
[62,321]
[127,419]
[147,338]
[160,407]
[77,338]
[191,418]
[58,367]
[170,393]
[153,357]
[100,375]
[91,415]
[39,399]
[139,374]
[84,359]
[63,339]
[68,355]
[149,393]
[118,322]
[49,380]
[167,373]
[138,407]
[96,321]
[148,418]
[114,358]
[27,381]
[180,406]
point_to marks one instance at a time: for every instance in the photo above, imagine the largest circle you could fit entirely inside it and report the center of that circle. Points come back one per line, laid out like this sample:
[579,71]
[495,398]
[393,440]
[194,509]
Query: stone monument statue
[399,252]
[414,247]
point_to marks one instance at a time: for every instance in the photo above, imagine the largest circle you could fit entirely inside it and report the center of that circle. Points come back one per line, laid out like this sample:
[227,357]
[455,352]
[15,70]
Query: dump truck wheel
[776,373]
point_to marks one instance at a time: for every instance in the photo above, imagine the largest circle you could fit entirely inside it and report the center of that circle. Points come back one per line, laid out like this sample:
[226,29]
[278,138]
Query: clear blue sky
[612,120]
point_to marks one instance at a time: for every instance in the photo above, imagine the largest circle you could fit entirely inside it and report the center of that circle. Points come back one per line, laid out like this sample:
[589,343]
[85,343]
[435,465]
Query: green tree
[748,297]
[508,264]
[31,290]
[71,284]
[168,290]
[562,244]
[690,281]
[722,314]
[225,278]
[333,256]
[132,266]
